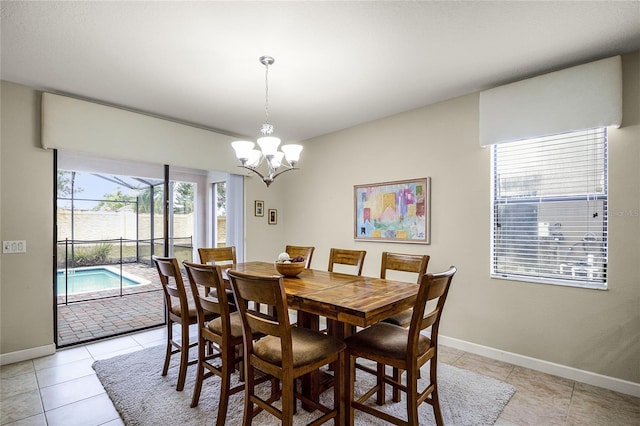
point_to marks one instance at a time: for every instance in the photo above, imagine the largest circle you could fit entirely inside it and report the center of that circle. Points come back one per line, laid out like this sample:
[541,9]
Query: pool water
[92,279]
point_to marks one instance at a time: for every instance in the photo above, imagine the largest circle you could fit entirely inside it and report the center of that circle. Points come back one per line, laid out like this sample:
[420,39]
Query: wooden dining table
[352,301]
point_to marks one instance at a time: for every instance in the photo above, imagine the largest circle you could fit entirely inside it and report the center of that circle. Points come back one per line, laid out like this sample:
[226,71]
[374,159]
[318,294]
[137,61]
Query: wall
[26,280]
[97,225]
[595,331]
[263,241]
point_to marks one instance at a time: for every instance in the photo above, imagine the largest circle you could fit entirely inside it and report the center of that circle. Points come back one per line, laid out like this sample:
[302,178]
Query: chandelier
[277,162]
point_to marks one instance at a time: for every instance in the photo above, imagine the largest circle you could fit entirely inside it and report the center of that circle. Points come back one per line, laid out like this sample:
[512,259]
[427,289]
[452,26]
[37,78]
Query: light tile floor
[62,389]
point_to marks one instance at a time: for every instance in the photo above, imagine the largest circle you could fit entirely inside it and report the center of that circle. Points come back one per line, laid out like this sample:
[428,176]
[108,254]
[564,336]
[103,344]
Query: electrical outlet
[14,246]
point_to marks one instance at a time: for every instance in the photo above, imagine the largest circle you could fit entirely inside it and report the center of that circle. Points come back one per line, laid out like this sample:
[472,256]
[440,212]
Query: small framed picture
[258,208]
[273,216]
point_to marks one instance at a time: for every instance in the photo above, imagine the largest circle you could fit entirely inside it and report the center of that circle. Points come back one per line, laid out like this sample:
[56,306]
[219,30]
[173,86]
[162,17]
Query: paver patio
[139,307]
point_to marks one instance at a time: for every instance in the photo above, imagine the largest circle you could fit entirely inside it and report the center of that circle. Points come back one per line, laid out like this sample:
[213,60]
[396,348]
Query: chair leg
[435,402]
[167,357]
[184,356]
[239,365]
[200,376]
[350,373]
[225,384]
[380,369]
[338,386]
[248,391]
[288,401]
[412,396]
[397,374]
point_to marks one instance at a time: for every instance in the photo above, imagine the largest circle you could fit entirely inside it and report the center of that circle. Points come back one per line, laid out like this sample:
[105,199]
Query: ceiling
[337,64]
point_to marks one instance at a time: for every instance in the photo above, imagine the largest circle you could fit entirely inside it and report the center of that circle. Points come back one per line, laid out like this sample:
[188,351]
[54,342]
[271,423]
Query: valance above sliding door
[578,98]
[78,125]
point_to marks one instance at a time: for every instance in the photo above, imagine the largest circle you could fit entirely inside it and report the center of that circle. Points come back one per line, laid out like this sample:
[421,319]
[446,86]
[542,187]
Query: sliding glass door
[109,225]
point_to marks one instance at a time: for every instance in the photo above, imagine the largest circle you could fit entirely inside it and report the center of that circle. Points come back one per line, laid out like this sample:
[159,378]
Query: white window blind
[550,209]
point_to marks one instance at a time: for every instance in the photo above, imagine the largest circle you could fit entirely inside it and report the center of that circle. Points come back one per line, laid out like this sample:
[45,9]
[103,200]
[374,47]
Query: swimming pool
[82,280]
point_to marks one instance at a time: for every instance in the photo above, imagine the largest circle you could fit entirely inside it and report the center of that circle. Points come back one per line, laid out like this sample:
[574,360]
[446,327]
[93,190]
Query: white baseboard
[611,383]
[31,353]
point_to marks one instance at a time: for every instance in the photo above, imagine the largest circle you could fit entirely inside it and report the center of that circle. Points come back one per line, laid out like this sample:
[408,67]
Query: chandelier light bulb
[269,145]
[276,160]
[292,152]
[242,148]
[255,155]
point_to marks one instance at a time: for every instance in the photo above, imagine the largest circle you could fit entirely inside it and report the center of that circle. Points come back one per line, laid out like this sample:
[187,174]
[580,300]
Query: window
[550,209]
[220,209]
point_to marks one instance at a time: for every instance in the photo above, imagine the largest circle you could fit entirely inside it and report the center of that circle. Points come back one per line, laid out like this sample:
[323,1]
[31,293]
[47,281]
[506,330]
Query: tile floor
[62,389]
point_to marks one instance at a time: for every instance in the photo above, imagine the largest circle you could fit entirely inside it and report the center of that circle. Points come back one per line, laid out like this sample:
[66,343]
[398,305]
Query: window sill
[563,283]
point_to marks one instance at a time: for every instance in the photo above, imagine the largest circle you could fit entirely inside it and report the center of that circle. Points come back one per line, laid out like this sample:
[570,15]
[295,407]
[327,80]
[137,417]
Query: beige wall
[591,330]
[26,280]
[596,331]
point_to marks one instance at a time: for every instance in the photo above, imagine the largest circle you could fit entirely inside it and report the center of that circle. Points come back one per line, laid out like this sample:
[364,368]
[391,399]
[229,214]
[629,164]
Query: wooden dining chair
[285,352]
[306,252]
[347,257]
[224,332]
[224,256]
[178,312]
[218,255]
[404,349]
[350,258]
[414,263]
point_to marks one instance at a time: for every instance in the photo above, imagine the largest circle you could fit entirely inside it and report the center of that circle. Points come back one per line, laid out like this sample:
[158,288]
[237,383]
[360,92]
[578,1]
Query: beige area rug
[143,397]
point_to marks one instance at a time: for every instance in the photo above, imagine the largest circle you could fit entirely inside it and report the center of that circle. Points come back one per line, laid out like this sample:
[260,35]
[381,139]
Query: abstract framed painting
[397,211]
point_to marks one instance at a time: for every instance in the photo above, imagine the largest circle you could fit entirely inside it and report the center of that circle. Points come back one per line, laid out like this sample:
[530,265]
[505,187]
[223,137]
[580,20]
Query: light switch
[19,246]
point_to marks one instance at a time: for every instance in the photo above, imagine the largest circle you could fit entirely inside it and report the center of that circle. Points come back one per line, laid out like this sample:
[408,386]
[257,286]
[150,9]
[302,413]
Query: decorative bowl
[289,269]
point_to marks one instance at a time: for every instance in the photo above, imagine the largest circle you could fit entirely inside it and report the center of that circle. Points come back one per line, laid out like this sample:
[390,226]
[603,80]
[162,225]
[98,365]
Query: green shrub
[92,255]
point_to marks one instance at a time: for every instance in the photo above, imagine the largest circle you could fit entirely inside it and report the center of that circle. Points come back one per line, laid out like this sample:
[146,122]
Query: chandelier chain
[266,93]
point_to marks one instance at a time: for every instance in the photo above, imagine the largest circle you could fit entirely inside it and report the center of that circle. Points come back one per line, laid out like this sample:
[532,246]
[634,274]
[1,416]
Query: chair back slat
[437,288]
[218,255]
[429,319]
[211,304]
[405,263]
[203,277]
[347,257]
[304,251]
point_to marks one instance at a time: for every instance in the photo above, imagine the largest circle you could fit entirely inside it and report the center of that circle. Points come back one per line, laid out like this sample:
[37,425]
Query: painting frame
[273,216]
[395,211]
[258,208]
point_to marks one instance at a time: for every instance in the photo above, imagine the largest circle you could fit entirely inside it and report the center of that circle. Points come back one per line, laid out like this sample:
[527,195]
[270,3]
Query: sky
[93,187]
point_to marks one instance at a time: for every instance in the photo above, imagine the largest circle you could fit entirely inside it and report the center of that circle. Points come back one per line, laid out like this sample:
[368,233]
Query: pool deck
[111,312]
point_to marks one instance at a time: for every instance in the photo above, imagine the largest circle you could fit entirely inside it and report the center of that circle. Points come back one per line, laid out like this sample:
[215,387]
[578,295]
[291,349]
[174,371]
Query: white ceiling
[337,64]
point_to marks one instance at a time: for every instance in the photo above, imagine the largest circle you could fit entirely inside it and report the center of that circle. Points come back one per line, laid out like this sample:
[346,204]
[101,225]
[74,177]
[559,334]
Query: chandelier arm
[254,171]
[283,171]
